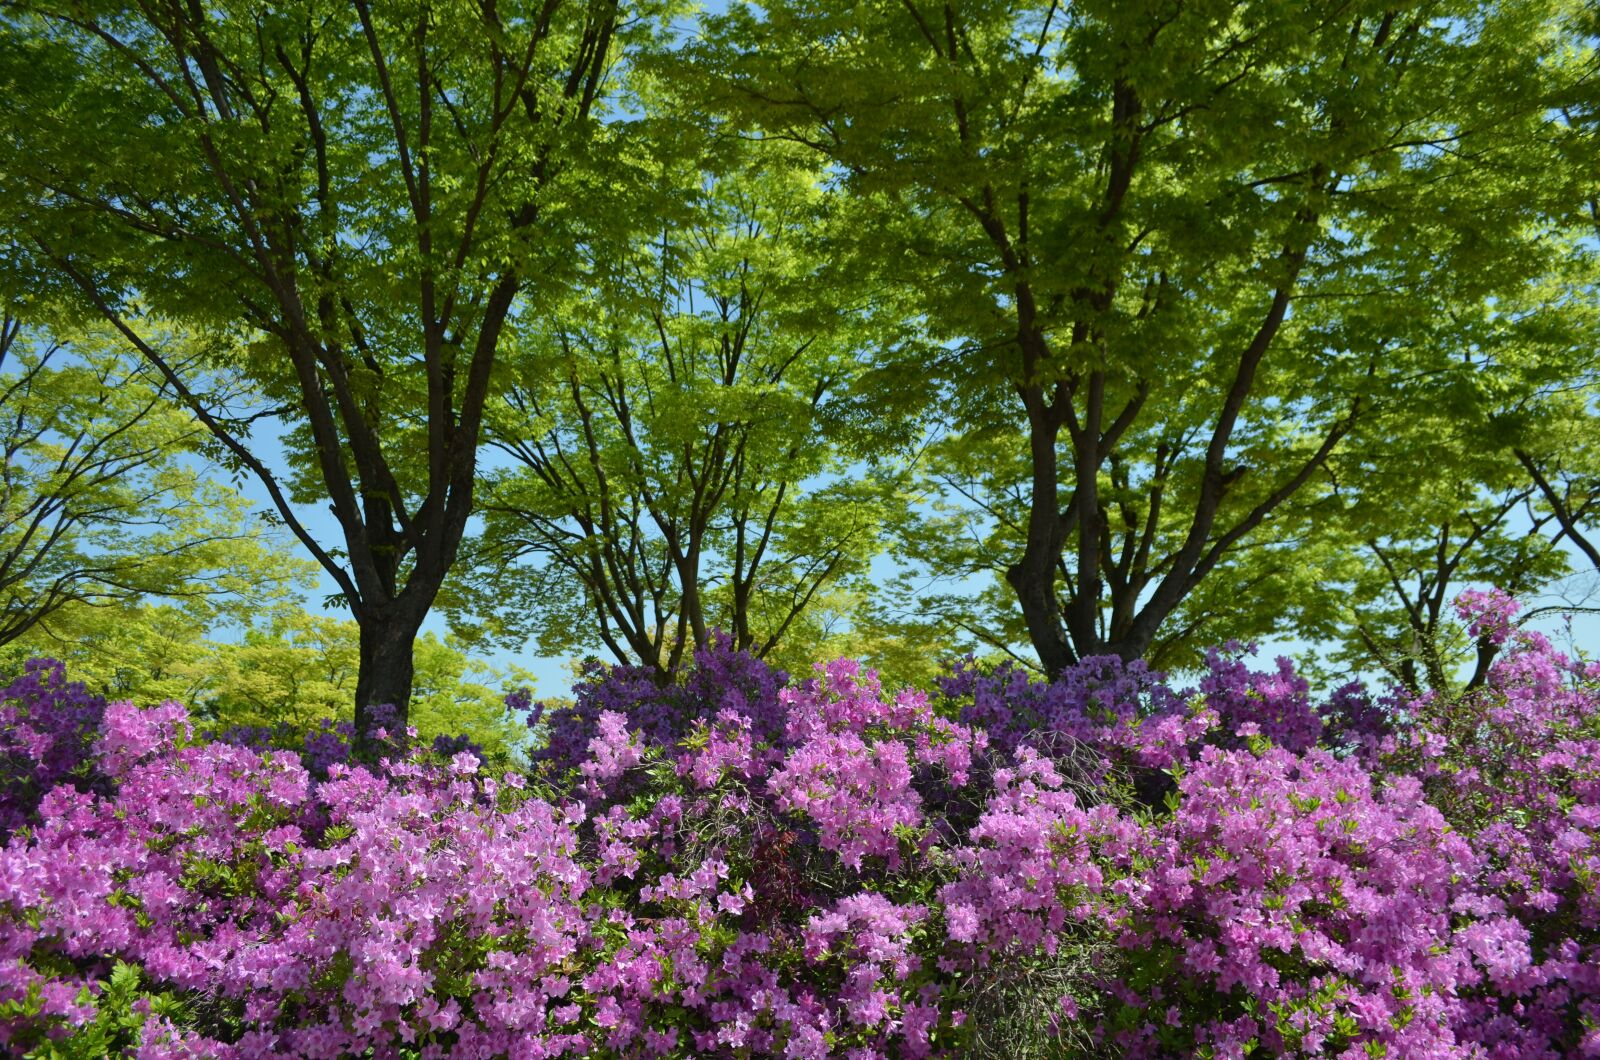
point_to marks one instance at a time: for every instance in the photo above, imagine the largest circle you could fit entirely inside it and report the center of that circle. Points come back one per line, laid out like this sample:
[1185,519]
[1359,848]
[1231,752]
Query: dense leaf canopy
[1057,330]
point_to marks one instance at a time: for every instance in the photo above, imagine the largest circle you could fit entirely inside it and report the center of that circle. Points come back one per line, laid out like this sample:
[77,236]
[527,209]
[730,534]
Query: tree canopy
[685,444]
[105,498]
[1177,253]
[1041,330]
[352,199]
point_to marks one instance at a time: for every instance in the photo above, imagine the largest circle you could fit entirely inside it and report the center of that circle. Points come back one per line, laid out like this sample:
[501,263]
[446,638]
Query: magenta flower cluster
[734,864]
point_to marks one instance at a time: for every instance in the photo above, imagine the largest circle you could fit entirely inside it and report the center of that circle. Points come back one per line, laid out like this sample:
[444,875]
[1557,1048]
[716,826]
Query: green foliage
[846,328]
[687,446]
[350,202]
[289,666]
[122,1009]
[1438,495]
[1175,257]
[105,498]
[146,652]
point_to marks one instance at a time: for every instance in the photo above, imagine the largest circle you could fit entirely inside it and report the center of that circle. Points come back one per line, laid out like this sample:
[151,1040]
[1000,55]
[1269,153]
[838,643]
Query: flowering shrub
[47,724]
[1292,903]
[1101,701]
[1517,767]
[661,711]
[732,863]
[1277,705]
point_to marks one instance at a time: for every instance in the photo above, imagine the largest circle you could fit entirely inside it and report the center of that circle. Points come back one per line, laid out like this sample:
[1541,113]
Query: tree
[1399,606]
[1177,251]
[952,589]
[1455,490]
[1557,445]
[686,449]
[351,200]
[104,499]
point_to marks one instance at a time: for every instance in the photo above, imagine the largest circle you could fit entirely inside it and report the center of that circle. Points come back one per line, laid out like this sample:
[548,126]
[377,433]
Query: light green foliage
[287,667]
[687,445]
[297,667]
[301,669]
[1176,254]
[145,652]
[1439,496]
[350,201]
[457,695]
[105,496]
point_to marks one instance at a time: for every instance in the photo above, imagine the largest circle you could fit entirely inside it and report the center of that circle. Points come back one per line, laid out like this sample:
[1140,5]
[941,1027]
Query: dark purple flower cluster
[1101,694]
[1277,704]
[733,864]
[47,725]
[659,708]
[329,744]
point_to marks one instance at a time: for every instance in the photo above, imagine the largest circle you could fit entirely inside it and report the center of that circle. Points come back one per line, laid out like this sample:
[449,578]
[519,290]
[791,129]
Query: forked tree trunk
[1033,576]
[388,667]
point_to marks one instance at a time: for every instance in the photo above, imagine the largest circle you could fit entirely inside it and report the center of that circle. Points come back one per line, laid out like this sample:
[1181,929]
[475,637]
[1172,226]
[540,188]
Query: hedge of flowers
[736,864]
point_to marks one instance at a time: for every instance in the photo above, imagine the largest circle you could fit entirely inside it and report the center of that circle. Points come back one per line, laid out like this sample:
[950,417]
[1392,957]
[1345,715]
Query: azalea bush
[737,863]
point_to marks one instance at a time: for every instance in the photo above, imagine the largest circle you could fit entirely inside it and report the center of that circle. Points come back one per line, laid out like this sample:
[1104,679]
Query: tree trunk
[1033,576]
[1135,644]
[1487,651]
[388,665]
